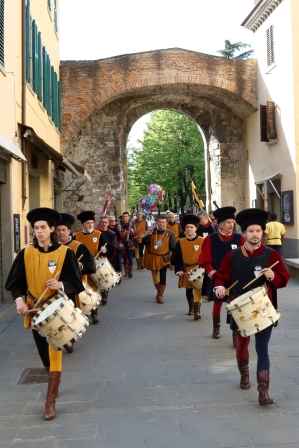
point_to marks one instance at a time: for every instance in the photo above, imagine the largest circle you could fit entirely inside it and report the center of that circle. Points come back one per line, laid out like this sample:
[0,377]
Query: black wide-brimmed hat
[88,215]
[67,220]
[53,217]
[224,213]
[190,219]
[251,216]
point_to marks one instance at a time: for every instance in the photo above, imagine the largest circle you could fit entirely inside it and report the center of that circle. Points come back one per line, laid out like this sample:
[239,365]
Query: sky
[98,29]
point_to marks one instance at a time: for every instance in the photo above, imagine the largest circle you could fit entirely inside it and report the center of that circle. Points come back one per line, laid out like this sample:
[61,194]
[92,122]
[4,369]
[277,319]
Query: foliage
[230,49]
[172,153]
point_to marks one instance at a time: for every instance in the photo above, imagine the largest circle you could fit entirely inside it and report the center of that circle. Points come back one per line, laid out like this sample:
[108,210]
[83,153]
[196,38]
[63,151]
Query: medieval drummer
[86,261]
[32,272]
[96,243]
[244,264]
[184,258]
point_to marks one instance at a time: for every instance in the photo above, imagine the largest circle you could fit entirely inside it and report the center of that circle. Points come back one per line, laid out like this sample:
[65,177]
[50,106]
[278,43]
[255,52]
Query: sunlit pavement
[149,376]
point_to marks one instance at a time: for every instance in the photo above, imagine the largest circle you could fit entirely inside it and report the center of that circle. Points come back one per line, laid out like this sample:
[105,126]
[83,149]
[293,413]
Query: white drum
[105,277]
[196,277]
[89,299]
[253,311]
[60,322]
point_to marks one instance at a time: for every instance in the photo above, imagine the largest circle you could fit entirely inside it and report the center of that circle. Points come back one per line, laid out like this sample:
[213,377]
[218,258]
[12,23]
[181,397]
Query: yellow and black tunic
[175,228]
[184,258]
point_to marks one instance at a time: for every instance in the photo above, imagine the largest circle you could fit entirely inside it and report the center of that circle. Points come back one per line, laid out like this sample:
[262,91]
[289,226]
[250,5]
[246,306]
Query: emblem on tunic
[257,270]
[234,246]
[52,266]
[94,239]
[196,247]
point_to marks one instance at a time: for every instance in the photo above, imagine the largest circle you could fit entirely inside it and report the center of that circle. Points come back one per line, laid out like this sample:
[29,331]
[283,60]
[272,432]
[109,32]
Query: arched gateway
[101,101]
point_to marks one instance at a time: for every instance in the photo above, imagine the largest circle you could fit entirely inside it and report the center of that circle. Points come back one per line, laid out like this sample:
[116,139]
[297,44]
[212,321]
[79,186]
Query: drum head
[49,310]
[245,298]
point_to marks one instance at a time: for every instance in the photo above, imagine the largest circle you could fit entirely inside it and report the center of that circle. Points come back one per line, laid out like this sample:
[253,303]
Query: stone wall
[103,99]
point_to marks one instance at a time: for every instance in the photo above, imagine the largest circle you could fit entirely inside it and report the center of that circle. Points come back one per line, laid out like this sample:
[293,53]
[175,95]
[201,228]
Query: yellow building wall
[276,84]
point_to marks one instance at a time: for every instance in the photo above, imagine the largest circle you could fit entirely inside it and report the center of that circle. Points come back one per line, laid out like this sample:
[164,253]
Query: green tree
[172,153]
[230,49]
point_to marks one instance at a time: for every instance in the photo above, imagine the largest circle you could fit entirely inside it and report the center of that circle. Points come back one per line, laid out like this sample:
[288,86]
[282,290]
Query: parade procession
[149,224]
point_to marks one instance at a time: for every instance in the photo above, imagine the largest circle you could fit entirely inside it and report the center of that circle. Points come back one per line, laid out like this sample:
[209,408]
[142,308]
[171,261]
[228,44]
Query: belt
[189,265]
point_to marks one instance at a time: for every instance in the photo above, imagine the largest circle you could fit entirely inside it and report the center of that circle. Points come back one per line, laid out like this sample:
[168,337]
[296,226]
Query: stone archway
[103,99]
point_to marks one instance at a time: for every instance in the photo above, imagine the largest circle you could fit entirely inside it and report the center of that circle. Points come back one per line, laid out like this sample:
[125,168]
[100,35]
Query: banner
[197,196]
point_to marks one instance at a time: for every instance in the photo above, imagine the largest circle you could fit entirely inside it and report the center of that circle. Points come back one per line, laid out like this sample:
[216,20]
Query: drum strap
[243,250]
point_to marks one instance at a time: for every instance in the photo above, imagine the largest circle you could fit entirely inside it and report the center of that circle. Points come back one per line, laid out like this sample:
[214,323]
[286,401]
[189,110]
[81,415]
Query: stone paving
[149,376]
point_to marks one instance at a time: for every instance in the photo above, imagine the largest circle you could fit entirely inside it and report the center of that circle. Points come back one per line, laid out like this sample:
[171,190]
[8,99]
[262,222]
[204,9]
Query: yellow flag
[197,196]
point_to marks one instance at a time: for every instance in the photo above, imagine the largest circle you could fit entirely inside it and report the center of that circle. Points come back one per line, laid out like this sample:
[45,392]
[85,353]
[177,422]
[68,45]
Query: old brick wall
[101,101]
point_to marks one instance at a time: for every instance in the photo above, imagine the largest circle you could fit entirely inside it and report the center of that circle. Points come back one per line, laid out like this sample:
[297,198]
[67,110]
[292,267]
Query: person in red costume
[243,264]
[214,247]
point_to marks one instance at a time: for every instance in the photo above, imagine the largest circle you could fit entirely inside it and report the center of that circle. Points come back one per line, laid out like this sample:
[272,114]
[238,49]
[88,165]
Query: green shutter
[45,78]
[40,71]
[28,42]
[35,56]
[59,105]
[54,94]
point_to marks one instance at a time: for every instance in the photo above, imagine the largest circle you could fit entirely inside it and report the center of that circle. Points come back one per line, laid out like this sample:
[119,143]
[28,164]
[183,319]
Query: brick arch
[90,85]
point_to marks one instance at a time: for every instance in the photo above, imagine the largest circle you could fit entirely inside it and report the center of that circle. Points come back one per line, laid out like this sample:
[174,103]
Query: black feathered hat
[88,215]
[224,213]
[67,220]
[252,216]
[52,217]
[190,219]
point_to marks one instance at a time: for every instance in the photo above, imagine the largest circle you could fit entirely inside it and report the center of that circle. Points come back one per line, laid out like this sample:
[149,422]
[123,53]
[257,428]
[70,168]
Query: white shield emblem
[257,270]
[52,266]
[94,239]
[196,247]
[234,246]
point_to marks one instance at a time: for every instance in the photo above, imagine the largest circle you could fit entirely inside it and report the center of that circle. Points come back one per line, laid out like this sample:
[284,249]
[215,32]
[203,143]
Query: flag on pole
[197,196]
[105,208]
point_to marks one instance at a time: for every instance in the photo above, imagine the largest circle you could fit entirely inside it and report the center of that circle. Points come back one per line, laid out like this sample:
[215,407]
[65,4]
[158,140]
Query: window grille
[2,172]
[270,46]
[2,32]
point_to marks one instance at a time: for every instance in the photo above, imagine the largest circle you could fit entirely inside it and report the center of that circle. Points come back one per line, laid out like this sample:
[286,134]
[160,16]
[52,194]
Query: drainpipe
[24,188]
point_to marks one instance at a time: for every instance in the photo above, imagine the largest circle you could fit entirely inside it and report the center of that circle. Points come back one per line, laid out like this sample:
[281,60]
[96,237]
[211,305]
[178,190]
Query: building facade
[271,140]
[31,166]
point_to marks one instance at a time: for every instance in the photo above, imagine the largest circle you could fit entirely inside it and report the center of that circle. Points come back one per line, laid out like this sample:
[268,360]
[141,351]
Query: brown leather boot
[138,263]
[104,295]
[126,266]
[216,327]
[197,306]
[53,383]
[263,378]
[161,289]
[130,271]
[191,307]
[244,370]
[93,316]
[235,338]
[47,368]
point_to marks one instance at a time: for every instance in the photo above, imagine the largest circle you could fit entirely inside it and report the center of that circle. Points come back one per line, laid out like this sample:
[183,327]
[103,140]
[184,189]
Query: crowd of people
[61,260]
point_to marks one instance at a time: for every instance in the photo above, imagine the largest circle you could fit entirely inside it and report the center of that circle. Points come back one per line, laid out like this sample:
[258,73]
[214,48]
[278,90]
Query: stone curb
[5,309]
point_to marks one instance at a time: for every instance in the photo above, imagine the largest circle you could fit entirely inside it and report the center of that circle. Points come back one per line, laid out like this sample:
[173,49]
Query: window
[55,16]
[270,46]
[267,122]
[2,32]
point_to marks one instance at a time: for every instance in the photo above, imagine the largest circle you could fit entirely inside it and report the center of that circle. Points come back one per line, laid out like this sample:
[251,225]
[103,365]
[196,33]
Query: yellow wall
[277,85]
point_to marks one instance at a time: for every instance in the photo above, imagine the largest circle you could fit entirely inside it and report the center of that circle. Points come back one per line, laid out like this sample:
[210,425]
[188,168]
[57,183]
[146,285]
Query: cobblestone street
[149,376]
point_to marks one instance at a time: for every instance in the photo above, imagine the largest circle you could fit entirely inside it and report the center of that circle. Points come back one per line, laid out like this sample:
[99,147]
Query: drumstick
[270,267]
[99,252]
[231,286]
[34,309]
[45,291]
[80,257]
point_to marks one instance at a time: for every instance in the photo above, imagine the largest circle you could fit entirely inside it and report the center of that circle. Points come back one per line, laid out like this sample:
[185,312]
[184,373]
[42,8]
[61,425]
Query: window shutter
[40,67]
[28,43]
[59,105]
[263,123]
[270,45]
[2,32]
[45,79]
[35,55]
[271,124]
